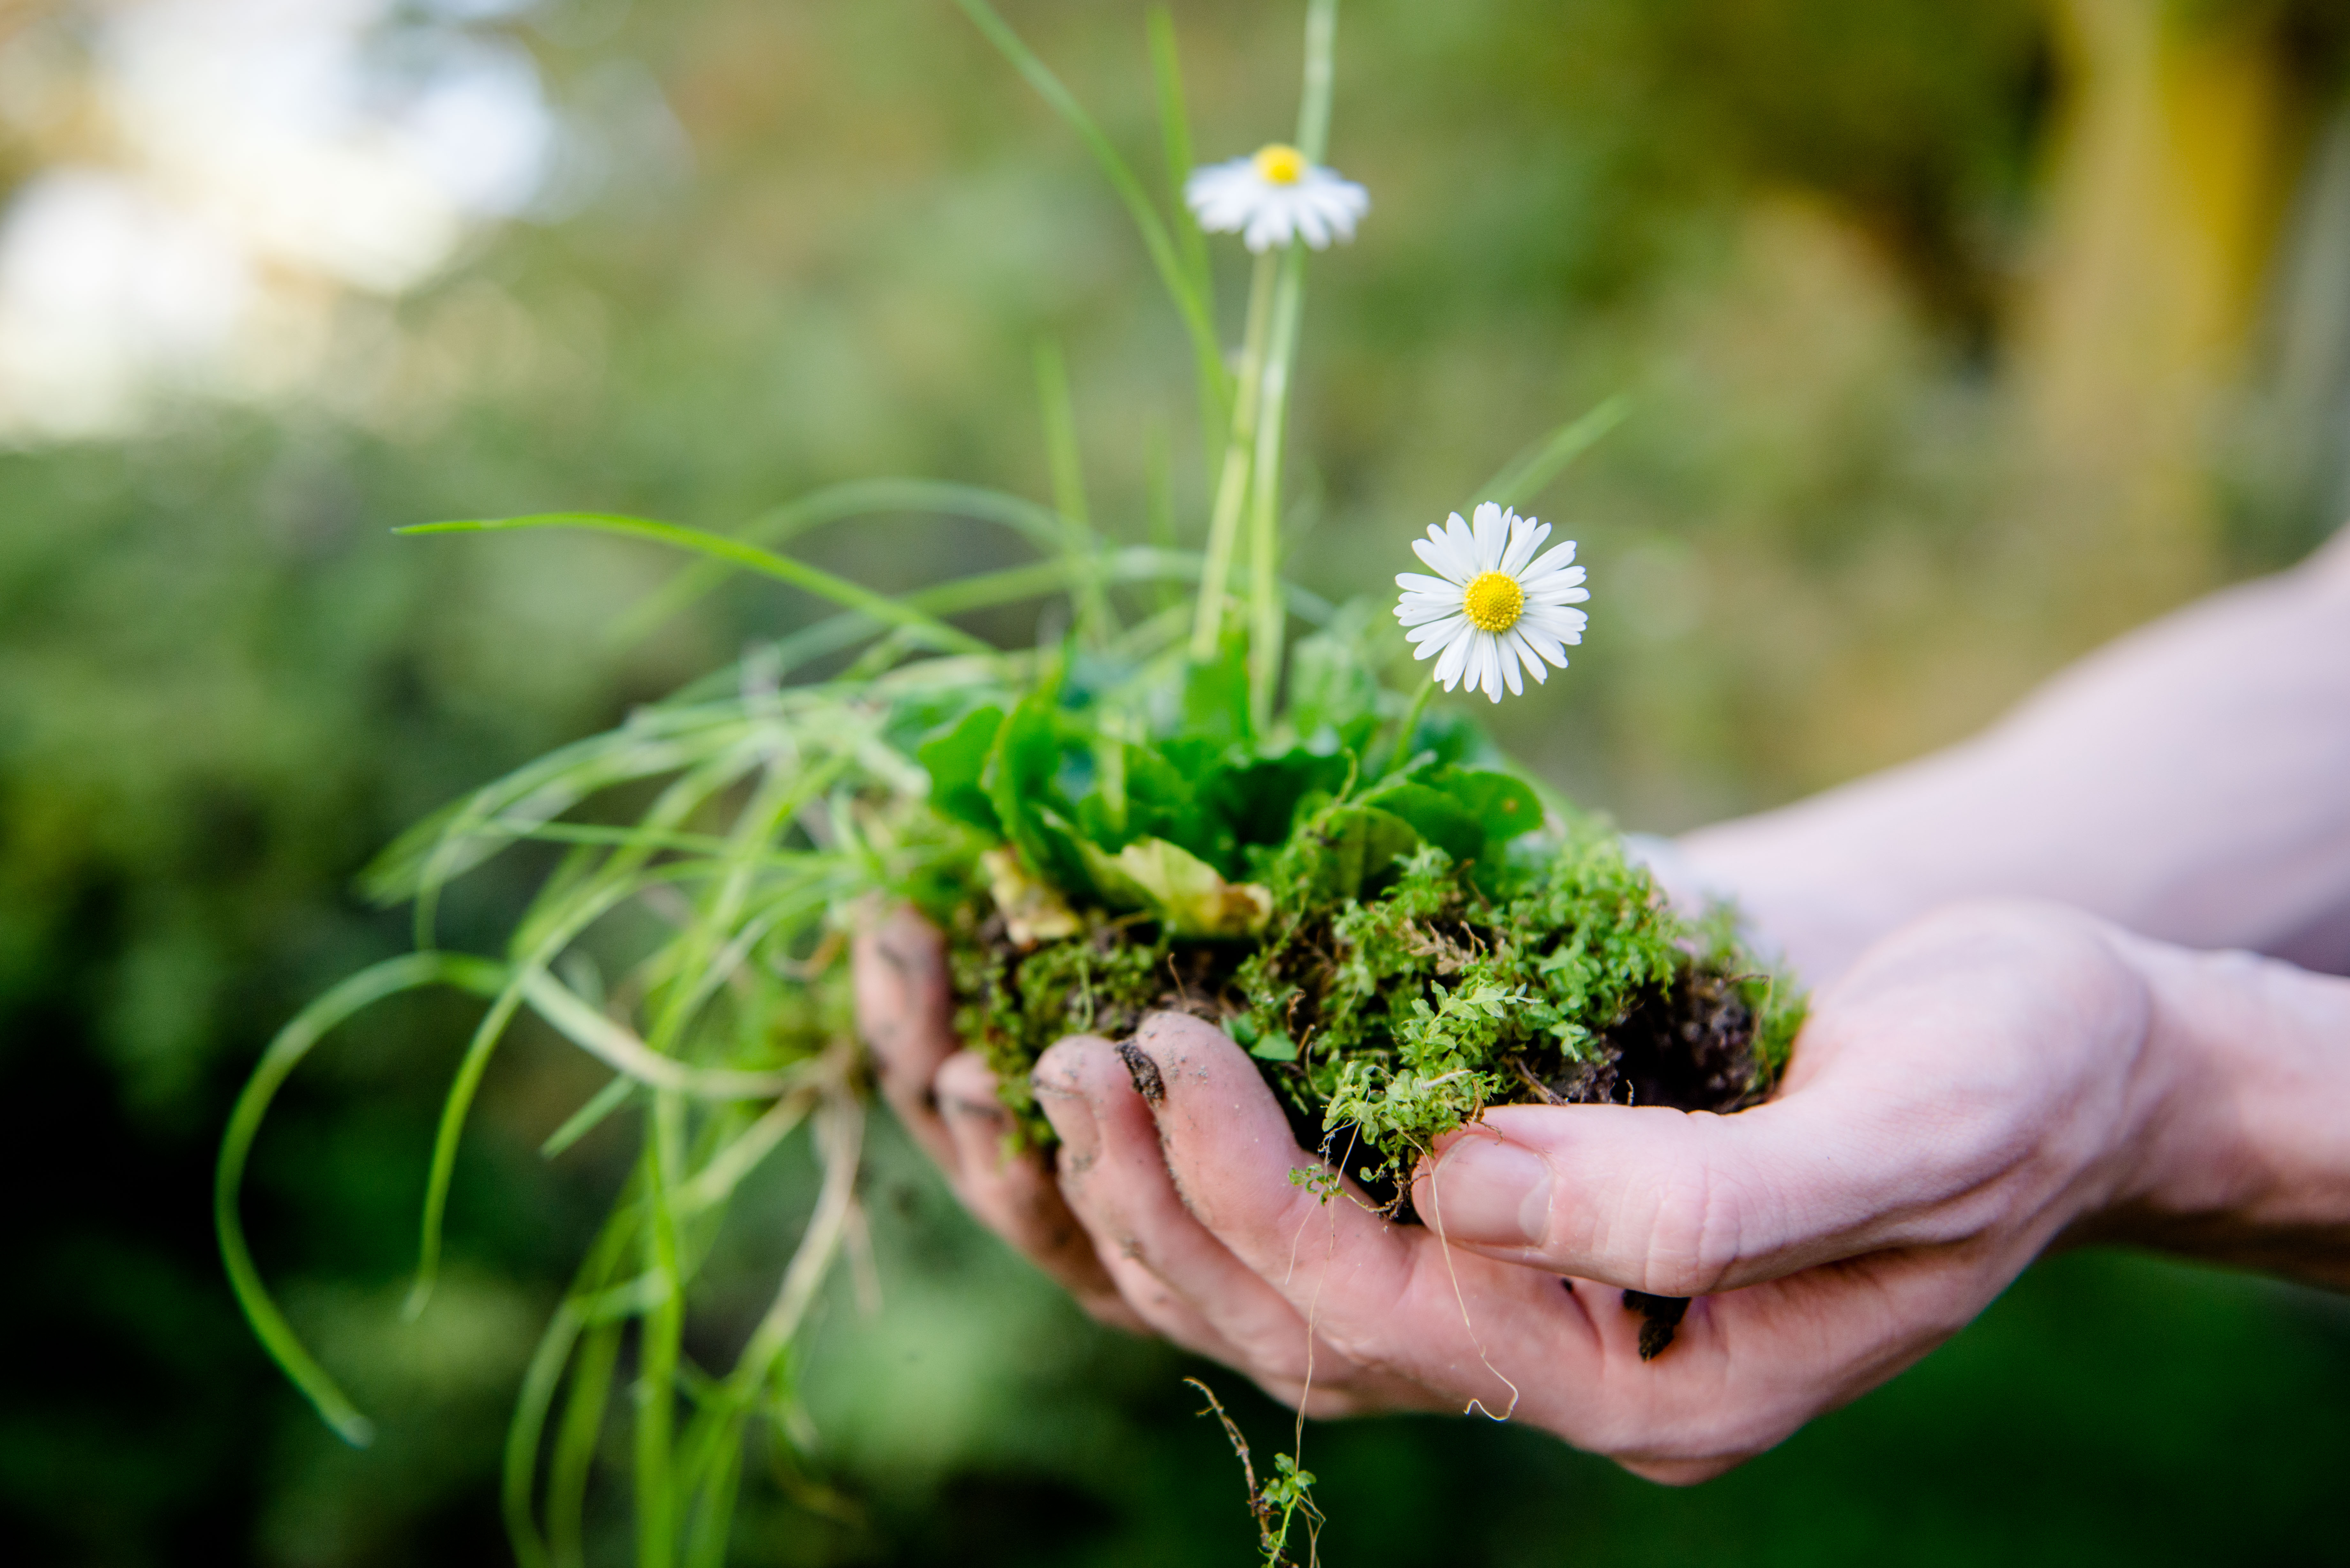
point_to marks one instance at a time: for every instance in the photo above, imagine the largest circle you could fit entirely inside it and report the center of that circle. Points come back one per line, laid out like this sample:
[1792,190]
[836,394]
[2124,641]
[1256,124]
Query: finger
[1174,1271]
[1391,1298]
[1152,1299]
[905,1010]
[1012,1194]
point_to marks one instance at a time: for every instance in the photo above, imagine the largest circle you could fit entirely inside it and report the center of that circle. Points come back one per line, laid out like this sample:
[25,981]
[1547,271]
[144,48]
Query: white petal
[1435,551]
[1551,560]
[1492,534]
[1337,202]
[1465,546]
[1542,644]
[1418,583]
[1540,575]
[1489,667]
[1555,620]
[1312,223]
[1456,658]
[1558,630]
[1215,179]
[1524,540]
[1505,654]
[1269,227]
[1437,633]
[1521,645]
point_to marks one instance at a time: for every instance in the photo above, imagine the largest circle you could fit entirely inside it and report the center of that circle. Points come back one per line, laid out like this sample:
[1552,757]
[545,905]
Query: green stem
[1082,548]
[1411,724]
[1265,616]
[1232,485]
[661,1342]
[1313,106]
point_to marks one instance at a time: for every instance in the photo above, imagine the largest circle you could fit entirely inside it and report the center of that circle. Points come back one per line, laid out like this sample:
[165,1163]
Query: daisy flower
[1494,605]
[1275,196]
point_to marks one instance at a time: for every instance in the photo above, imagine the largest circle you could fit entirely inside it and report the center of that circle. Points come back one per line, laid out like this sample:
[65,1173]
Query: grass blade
[857,498]
[590,1116]
[1524,476]
[408,972]
[1083,549]
[575,1439]
[618,1048]
[734,552]
[539,1382]
[1175,140]
[1198,320]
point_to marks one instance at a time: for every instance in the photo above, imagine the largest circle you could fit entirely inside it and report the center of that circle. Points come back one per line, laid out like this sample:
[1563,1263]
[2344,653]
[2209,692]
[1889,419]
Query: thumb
[1686,1204]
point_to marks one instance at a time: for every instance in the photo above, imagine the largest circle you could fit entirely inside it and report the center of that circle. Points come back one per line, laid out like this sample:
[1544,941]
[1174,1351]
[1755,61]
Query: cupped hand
[1976,1085]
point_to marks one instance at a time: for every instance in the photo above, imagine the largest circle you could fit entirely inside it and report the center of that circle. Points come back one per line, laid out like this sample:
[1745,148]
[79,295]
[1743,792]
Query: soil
[1689,1046]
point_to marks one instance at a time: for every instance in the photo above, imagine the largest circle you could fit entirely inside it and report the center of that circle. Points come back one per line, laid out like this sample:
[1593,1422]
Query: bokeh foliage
[1798,233]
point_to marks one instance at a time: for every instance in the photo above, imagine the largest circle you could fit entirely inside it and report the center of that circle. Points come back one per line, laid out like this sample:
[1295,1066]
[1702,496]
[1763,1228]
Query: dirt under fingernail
[1143,1071]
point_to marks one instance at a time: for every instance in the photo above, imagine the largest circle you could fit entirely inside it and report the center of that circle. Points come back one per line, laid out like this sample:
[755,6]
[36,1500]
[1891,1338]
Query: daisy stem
[1232,485]
[1314,107]
[1266,616]
[1402,753]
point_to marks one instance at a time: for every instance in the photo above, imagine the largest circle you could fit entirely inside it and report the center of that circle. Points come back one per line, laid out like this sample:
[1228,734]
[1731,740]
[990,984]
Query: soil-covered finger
[1391,1298]
[905,1010]
[1013,1193]
[1117,1180]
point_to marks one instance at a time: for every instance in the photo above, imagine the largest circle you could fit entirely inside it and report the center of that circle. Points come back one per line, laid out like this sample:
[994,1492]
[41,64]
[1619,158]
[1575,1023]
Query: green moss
[1558,974]
[1015,1005]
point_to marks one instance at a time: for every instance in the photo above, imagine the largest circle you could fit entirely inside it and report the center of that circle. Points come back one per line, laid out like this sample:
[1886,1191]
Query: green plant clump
[1397,947]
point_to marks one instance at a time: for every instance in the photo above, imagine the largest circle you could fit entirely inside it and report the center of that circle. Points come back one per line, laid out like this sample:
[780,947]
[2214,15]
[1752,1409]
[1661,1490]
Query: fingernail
[1073,1119]
[977,1129]
[1490,1193]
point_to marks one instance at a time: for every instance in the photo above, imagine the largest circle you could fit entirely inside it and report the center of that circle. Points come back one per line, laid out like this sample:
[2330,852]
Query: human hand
[1130,1255]
[1976,1086]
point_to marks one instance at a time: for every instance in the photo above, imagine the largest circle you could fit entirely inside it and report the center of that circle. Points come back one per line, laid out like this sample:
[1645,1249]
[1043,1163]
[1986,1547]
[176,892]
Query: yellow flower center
[1280,165]
[1493,601]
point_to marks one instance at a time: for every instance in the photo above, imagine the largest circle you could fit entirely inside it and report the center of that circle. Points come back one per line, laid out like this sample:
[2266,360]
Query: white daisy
[1494,605]
[1275,196]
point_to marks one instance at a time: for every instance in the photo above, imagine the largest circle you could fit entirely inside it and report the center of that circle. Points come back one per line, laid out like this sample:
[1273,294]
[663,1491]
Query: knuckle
[1697,1232]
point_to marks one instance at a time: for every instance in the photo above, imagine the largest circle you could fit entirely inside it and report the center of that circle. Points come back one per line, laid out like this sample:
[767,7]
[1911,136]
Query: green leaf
[1504,806]
[1274,1046]
[1216,693]
[1435,815]
[1022,784]
[956,760]
[1359,846]
[1329,686]
[1259,799]
[1187,894]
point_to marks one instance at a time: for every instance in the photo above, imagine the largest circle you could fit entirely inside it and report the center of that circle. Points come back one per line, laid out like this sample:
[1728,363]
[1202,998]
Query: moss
[1556,975]
[1015,1005]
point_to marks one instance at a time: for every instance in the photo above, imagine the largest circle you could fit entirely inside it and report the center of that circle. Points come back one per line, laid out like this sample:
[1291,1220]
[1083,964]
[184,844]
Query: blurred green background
[1959,336]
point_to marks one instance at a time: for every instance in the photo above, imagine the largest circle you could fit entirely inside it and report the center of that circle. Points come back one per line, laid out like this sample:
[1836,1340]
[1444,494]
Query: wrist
[2243,1155]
